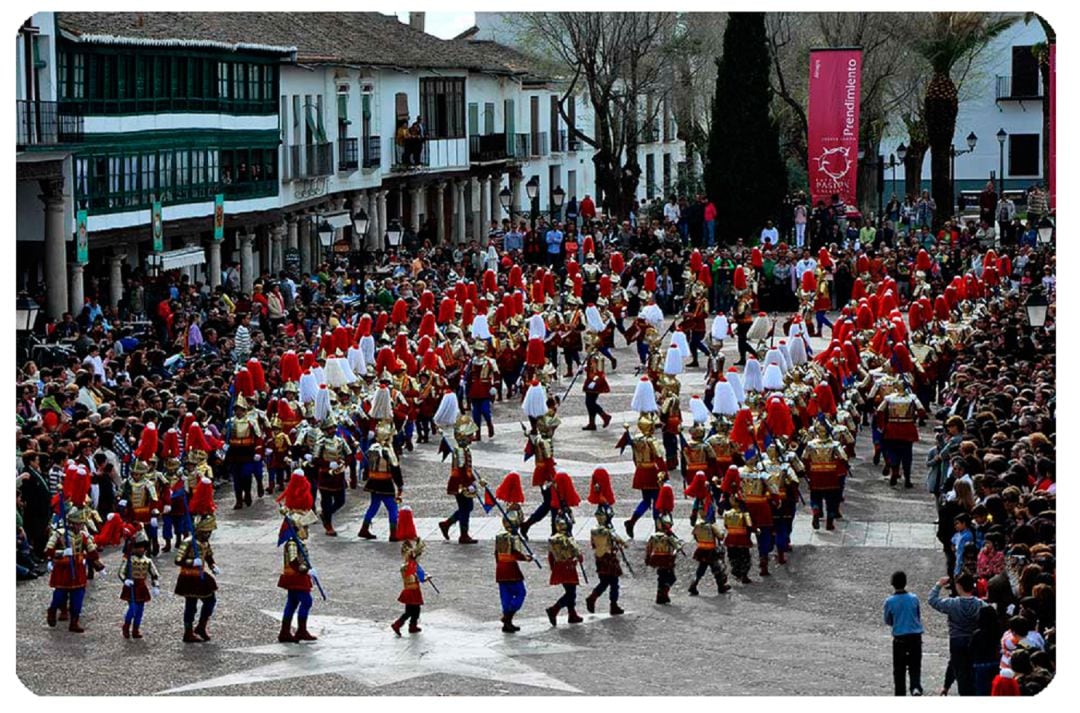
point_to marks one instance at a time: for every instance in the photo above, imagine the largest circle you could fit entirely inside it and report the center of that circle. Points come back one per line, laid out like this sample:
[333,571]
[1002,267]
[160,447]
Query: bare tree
[625,62]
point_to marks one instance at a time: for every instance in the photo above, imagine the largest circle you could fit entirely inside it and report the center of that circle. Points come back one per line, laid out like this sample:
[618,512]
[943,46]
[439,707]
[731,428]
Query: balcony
[372,152]
[41,124]
[558,142]
[520,146]
[538,145]
[1016,88]
[311,160]
[488,147]
[348,155]
[250,189]
[435,154]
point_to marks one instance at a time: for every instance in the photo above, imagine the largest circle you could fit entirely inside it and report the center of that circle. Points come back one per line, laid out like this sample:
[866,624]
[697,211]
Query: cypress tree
[745,176]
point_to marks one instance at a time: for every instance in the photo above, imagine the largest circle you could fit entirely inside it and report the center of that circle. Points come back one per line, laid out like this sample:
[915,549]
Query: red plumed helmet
[941,308]
[952,295]
[862,264]
[538,273]
[385,359]
[406,526]
[519,304]
[509,490]
[538,292]
[875,305]
[742,433]
[285,412]
[401,345]
[809,281]
[400,315]
[148,443]
[864,317]
[740,278]
[695,261]
[650,280]
[665,500]
[605,286]
[427,301]
[258,375]
[858,289]
[461,291]
[427,325]
[297,495]
[901,359]
[472,290]
[887,303]
[244,383]
[778,416]
[914,315]
[447,308]
[922,261]
[111,532]
[363,327]
[757,259]
[517,279]
[824,258]
[704,275]
[990,258]
[431,361]
[491,283]
[534,352]
[202,498]
[326,345]
[698,488]
[990,277]
[825,399]
[170,446]
[600,490]
[1004,266]
[549,284]
[579,283]
[196,439]
[290,367]
[563,493]
[76,485]
[851,354]
[589,244]
[572,267]
[468,313]
[380,322]
[617,263]
[812,409]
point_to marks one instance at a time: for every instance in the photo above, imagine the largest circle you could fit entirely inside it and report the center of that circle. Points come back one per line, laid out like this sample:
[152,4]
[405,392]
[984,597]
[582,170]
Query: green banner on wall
[219,217]
[82,239]
[155,221]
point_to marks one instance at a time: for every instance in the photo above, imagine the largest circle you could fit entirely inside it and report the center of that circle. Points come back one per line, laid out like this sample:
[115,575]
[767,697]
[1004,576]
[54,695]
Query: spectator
[963,614]
[902,614]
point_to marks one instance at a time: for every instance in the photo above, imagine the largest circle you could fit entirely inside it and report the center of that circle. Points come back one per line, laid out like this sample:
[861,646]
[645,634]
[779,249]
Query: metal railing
[520,145]
[429,153]
[249,189]
[539,144]
[46,123]
[1010,87]
[487,147]
[310,160]
[372,152]
[348,154]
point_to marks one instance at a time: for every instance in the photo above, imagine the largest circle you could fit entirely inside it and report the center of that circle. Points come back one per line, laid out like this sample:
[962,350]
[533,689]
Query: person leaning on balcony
[415,140]
[401,135]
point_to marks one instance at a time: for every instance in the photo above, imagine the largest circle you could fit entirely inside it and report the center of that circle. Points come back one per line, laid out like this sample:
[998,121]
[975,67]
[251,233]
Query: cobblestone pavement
[779,635]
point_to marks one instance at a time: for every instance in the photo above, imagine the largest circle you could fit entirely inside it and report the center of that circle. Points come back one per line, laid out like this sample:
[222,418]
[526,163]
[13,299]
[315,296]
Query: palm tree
[948,38]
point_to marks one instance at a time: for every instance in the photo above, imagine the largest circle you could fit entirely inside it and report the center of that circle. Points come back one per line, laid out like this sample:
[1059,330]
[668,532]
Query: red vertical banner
[833,123]
[1053,126]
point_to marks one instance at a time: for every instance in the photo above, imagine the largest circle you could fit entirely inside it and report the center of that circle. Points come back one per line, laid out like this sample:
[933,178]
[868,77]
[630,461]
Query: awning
[175,259]
[338,220]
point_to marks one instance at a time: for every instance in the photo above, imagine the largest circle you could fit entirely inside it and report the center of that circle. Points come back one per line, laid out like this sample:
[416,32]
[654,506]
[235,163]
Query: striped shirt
[242,348]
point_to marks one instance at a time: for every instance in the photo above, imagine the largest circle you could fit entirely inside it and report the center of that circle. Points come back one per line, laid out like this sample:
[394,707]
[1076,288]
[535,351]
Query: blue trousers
[607,353]
[481,409]
[830,499]
[822,319]
[242,477]
[782,525]
[569,597]
[297,599]
[710,233]
[545,505]
[512,596]
[332,501]
[671,448]
[643,352]
[766,539]
[461,515]
[70,598]
[386,500]
[174,524]
[898,455]
[134,613]
[191,603]
[648,501]
[697,344]
[605,584]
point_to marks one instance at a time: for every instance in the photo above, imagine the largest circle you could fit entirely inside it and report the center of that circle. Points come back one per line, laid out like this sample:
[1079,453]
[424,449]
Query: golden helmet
[646,423]
[465,429]
[205,523]
[384,431]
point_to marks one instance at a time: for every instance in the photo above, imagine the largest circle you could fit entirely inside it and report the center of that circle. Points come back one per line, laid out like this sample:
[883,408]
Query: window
[667,173]
[401,107]
[571,114]
[1025,72]
[474,119]
[442,107]
[1023,154]
[555,144]
[223,80]
[489,118]
[650,175]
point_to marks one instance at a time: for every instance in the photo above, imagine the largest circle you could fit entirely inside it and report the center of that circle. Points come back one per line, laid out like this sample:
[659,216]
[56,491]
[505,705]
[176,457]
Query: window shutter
[311,122]
[343,107]
[320,136]
[473,119]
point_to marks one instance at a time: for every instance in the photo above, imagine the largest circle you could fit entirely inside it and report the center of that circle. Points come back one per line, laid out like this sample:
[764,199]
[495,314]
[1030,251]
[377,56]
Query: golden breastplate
[600,538]
[138,569]
[506,545]
[751,485]
[901,409]
[333,449]
[644,450]
[545,449]
[142,493]
[734,520]
[563,548]
[704,534]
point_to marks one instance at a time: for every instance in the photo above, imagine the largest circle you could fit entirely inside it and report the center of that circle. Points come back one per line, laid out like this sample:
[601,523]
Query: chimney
[416,20]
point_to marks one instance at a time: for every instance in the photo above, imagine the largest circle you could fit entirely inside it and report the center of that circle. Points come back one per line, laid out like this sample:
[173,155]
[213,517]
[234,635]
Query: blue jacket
[902,614]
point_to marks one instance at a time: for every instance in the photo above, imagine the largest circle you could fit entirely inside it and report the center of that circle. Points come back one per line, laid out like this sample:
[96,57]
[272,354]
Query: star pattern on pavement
[368,652]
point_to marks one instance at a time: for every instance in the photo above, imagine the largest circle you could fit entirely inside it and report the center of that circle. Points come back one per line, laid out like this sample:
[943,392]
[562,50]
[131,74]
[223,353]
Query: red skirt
[411,596]
[295,581]
[61,576]
[142,592]
[543,473]
[645,477]
[760,512]
[190,584]
[565,572]
[608,565]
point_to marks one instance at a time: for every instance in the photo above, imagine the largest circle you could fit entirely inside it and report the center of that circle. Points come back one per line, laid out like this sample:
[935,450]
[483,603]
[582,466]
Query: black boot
[590,603]
[552,614]
[629,525]
[693,588]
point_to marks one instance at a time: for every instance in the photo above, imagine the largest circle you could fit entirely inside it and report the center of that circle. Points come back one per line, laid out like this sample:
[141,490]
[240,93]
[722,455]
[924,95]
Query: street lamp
[506,198]
[532,190]
[892,165]
[901,154]
[1046,231]
[360,222]
[972,139]
[393,233]
[1036,307]
[557,198]
[26,312]
[1001,136]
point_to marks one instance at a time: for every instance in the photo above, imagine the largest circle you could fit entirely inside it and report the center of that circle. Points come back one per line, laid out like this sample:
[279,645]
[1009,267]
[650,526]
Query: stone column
[515,198]
[459,212]
[215,263]
[247,263]
[380,237]
[359,202]
[440,212]
[305,244]
[291,238]
[416,197]
[496,206]
[77,296]
[485,209]
[474,208]
[277,249]
[191,241]
[56,279]
[116,280]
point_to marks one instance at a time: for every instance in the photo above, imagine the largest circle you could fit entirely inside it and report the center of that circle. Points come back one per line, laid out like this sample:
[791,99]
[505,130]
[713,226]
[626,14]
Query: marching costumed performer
[709,553]
[540,445]
[738,526]
[462,482]
[826,465]
[564,557]
[606,545]
[662,546]
[243,438]
[135,569]
[509,550]
[898,416]
[595,384]
[650,465]
[331,458]
[382,470]
[412,574]
[297,572]
[482,374]
[195,558]
[69,548]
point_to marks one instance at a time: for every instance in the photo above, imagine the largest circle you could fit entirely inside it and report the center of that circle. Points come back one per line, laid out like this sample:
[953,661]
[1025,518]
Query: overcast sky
[444,24]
